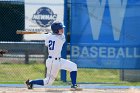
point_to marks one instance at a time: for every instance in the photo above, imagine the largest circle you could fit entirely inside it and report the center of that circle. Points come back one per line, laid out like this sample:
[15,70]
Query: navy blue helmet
[57,26]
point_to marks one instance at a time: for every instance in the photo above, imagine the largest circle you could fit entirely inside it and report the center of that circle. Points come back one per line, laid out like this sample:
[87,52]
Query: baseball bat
[29,32]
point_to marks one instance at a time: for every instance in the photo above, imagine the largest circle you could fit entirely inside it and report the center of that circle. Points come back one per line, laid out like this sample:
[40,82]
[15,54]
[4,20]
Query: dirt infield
[66,90]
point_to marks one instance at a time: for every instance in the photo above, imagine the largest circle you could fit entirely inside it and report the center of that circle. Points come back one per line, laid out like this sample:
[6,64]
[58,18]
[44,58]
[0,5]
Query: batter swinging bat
[29,32]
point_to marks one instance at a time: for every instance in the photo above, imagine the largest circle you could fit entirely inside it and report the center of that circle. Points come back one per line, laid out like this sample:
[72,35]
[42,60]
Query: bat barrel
[29,32]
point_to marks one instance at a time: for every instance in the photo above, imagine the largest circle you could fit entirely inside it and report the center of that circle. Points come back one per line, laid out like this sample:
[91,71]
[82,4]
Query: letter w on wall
[96,10]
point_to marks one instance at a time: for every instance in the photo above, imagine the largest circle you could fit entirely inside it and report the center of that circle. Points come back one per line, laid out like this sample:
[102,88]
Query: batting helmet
[57,26]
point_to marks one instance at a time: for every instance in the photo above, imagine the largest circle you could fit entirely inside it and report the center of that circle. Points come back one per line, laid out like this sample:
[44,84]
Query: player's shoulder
[46,36]
[62,37]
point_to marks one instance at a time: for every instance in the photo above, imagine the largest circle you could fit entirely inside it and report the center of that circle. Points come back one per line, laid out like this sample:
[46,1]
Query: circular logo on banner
[44,17]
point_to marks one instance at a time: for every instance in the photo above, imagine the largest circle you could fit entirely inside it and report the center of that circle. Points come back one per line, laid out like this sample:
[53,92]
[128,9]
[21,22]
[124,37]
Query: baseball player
[54,63]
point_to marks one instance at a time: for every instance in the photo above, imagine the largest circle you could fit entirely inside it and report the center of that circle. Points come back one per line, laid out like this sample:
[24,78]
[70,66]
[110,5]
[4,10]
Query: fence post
[122,75]
[45,57]
[26,57]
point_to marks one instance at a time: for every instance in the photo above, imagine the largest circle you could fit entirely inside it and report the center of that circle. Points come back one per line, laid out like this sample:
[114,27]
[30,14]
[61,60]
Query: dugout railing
[25,48]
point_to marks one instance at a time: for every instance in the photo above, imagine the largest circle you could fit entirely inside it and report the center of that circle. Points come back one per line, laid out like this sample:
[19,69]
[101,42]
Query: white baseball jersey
[54,43]
[54,62]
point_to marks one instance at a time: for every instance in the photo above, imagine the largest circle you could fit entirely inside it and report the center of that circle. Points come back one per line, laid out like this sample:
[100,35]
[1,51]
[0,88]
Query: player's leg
[52,72]
[30,83]
[72,68]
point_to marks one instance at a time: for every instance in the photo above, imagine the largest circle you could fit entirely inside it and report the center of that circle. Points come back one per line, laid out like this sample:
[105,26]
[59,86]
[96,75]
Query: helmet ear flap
[56,26]
[56,32]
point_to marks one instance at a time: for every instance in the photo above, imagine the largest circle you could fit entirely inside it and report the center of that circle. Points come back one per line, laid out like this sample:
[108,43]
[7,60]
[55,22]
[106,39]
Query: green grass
[102,76]
[18,73]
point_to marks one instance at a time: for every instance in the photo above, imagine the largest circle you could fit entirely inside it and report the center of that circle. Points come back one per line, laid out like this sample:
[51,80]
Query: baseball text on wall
[107,33]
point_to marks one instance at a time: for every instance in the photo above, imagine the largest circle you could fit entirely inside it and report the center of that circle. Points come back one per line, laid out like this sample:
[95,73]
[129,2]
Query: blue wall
[105,33]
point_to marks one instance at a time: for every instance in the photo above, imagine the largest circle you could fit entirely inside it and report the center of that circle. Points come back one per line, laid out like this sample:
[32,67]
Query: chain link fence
[22,60]
[11,19]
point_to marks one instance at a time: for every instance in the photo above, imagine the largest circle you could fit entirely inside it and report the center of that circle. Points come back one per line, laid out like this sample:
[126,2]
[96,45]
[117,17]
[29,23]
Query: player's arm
[63,37]
[46,38]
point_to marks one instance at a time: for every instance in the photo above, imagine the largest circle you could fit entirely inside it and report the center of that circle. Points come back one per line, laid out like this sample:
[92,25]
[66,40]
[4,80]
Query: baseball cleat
[75,88]
[29,85]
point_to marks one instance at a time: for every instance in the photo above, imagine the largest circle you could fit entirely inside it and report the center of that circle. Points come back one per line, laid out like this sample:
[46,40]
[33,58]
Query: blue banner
[105,33]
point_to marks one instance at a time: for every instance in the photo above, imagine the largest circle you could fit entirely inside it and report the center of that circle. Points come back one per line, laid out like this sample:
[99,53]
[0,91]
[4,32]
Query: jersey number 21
[51,45]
